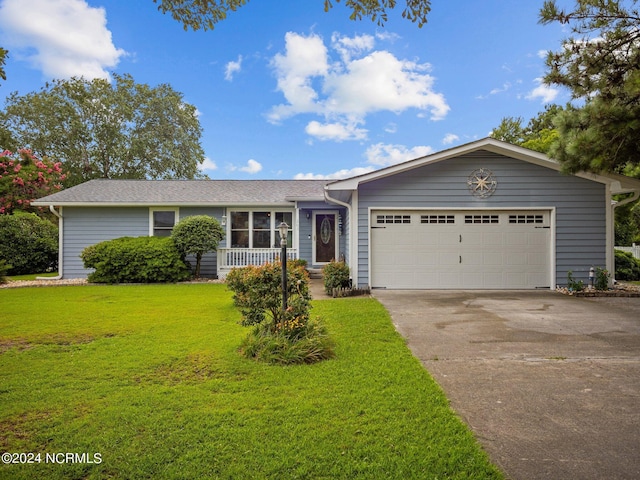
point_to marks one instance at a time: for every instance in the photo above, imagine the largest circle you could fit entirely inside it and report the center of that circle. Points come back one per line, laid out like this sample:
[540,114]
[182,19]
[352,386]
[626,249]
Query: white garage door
[460,249]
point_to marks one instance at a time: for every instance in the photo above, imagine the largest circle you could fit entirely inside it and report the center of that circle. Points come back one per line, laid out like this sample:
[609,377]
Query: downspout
[351,222]
[60,224]
[632,198]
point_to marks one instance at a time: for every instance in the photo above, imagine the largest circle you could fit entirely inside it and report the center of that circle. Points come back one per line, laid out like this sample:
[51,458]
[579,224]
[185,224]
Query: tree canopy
[3,57]
[600,65]
[24,178]
[204,14]
[99,129]
[539,134]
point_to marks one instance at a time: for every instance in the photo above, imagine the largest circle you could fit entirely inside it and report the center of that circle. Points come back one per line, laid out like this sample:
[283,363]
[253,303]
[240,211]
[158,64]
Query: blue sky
[285,90]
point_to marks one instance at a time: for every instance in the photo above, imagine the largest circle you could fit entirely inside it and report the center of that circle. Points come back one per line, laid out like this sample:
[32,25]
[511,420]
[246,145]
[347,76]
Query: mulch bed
[619,290]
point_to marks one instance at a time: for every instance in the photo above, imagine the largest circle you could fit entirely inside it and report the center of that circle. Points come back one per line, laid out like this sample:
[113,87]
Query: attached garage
[485,215]
[468,249]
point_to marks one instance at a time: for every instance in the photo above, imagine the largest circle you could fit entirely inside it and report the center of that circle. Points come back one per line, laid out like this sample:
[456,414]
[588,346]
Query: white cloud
[335,131]
[380,81]
[232,68]
[505,86]
[305,59]
[543,92]
[62,38]
[208,164]
[252,167]
[449,138]
[391,128]
[344,173]
[344,91]
[386,154]
[378,155]
[349,46]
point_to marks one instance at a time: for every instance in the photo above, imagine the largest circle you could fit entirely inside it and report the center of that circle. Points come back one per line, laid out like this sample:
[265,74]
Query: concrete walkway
[549,384]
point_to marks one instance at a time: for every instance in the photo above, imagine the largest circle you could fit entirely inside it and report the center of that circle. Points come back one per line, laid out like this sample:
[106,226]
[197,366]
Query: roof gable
[617,183]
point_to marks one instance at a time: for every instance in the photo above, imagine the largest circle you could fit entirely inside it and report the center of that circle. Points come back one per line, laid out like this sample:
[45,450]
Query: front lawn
[146,382]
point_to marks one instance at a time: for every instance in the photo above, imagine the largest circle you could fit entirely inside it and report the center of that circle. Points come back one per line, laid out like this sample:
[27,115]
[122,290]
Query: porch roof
[104,192]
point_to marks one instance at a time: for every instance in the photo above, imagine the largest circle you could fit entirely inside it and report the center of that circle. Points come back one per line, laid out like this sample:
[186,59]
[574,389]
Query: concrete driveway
[549,384]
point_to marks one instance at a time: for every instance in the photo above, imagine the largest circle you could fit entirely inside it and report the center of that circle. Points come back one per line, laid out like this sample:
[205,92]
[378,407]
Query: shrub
[336,275]
[627,267]
[197,235]
[602,279]
[29,243]
[278,337]
[135,260]
[258,292]
[573,284]
[4,268]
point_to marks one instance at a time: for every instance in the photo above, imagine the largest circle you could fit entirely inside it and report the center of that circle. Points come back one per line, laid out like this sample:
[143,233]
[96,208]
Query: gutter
[632,198]
[351,223]
[60,226]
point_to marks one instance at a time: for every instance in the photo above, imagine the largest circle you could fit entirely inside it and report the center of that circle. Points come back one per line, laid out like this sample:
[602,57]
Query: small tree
[24,177]
[197,235]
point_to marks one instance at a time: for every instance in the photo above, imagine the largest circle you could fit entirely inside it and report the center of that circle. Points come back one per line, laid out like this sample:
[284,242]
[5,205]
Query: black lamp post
[284,229]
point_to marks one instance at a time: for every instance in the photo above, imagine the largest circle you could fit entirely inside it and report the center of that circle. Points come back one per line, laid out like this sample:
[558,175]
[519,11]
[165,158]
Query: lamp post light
[284,229]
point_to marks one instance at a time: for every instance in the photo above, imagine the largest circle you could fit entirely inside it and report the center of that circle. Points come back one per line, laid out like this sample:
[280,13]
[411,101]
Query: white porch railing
[635,250]
[229,258]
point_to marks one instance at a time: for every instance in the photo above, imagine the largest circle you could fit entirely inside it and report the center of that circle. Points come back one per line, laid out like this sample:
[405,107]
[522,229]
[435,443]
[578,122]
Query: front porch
[230,258]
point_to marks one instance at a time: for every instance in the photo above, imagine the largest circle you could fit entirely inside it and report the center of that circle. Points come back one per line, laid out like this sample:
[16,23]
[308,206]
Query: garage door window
[481,219]
[437,219]
[526,219]
[393,219]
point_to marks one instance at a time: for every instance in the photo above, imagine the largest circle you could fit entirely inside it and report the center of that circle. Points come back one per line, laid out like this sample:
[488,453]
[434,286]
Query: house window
[262,229]
[259,229]
[162,222]
[240,229]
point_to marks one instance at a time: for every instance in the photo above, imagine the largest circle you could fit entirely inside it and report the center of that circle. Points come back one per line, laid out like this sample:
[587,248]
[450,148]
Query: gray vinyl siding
[580,204]
[85,226]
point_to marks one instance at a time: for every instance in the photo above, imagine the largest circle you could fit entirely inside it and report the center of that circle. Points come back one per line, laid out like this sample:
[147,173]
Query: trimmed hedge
[135,260]
[28,243]
[627,267]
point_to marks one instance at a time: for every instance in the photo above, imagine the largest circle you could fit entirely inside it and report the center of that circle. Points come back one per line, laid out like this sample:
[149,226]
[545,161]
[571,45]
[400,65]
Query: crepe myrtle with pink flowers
[25,177]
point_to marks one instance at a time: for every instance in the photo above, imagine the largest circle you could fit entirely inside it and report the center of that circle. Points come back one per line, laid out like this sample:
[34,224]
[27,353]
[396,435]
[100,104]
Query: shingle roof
[186,192]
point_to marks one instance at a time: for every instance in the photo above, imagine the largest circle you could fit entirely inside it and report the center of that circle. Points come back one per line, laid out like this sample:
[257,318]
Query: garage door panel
[448,259]
[407,258]
[440,249]
[515,259]
[491,239]
[493,259]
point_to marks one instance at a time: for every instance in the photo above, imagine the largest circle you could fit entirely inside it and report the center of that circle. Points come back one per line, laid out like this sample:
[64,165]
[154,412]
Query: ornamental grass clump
[278,336]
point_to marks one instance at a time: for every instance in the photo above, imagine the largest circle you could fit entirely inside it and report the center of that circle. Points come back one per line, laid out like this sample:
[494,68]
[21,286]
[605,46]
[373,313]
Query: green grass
[32,276]
[150,378]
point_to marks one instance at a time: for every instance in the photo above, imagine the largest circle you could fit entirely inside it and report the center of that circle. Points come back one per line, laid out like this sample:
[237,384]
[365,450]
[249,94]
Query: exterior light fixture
[283,228]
